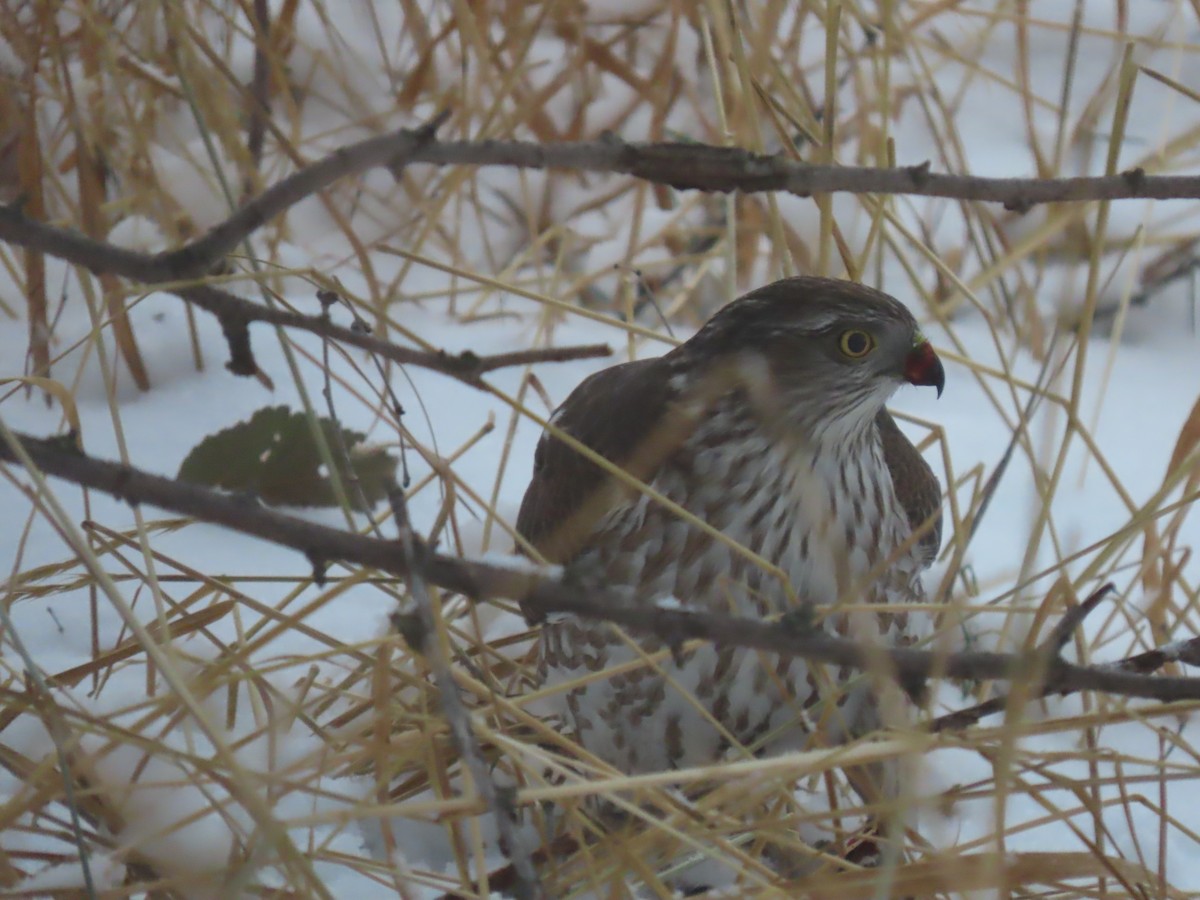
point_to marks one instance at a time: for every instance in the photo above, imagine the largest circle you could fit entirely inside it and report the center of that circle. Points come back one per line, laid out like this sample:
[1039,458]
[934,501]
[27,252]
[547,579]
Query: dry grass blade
[223,716]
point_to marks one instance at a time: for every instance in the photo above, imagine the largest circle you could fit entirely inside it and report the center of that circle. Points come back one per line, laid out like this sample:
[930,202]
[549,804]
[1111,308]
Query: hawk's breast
[826,521]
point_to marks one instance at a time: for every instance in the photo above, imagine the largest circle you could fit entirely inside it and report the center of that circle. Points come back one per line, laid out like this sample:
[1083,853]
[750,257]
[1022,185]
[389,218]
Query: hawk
[762,470]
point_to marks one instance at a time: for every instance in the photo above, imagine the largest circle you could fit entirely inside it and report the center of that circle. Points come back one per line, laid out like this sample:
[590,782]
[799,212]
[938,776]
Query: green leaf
[274,456]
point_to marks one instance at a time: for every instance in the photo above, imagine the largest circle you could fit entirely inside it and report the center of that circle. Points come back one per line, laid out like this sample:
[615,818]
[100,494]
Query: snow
[1136,394]
[105,873]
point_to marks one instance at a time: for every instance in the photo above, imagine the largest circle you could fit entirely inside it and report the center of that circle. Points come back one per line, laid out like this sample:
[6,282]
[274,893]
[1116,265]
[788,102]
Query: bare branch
[688,166]
[1072,619]
[467,367]
[545,592]
[680,165]
[195,259]
[258,96]
[198,257]
[235,313]
[684,166]
[1185,651]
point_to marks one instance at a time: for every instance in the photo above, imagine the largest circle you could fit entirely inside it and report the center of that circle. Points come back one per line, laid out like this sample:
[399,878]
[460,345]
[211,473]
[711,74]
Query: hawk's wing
[916,486]
[626,414]
[616,412]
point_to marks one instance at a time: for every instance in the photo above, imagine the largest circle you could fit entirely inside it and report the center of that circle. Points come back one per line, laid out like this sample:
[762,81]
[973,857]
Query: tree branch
[196,259]
[1185,651]
[467,367]
[235,313]
[684,166]
[694,166]
[548,591]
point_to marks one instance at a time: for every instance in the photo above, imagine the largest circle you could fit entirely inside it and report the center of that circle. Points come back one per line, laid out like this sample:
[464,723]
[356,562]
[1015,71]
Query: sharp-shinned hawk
[769,428]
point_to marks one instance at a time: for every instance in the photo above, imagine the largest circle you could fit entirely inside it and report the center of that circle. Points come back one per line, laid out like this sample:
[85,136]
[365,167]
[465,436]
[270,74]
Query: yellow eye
[856,344]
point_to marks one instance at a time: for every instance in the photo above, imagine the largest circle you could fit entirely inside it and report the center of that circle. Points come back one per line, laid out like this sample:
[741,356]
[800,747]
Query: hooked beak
[923,368]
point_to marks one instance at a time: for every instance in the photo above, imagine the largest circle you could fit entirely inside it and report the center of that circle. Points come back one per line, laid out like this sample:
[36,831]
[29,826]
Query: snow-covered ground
[1136,393]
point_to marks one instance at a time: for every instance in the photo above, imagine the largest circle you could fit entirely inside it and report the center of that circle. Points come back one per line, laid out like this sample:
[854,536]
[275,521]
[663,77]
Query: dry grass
[106,122]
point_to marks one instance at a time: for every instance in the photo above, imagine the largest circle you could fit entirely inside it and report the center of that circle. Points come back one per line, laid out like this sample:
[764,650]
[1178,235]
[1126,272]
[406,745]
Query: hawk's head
[832,351]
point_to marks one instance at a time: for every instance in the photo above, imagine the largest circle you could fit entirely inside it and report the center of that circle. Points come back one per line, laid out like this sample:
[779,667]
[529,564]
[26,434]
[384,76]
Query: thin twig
[198,257]
[1072,619]
[1052,646]
[526,886]
[259,95]
[235,313]
[1185,651]
[61,737]
[993,482]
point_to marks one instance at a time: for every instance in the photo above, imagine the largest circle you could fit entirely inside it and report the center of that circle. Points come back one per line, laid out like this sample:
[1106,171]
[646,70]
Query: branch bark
[194,260]
[548,591]
[684,166]
[236,313]
[693,166]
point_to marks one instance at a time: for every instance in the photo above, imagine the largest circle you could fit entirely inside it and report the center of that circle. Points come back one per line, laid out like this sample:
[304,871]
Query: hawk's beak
[923,368]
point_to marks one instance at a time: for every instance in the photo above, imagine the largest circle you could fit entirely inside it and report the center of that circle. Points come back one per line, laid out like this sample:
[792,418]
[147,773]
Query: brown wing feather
[613,412]
[916,487]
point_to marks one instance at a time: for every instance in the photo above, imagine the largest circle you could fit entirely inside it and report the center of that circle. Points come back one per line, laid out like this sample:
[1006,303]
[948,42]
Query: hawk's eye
[855,343]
